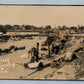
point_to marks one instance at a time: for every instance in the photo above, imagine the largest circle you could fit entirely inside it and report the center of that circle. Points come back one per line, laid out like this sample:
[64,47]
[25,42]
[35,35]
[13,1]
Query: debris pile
[11,49]
[67,51]
[62,51]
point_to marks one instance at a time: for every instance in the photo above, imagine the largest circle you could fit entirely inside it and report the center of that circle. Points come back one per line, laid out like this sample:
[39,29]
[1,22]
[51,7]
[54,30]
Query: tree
[27,27]
[16,27]
[8,26]
[48,27]
[1,26]
[3,29]
[73,28]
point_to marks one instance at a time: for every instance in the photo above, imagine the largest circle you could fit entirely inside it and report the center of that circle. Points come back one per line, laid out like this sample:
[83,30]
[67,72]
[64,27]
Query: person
[34,55]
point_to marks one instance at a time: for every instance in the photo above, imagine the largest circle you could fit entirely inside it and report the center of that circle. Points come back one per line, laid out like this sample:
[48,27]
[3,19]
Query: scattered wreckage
[11,49]
[62,54]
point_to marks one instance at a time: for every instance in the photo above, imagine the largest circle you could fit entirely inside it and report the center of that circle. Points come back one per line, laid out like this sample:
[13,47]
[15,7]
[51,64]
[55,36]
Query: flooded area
[42,42]
[12,64]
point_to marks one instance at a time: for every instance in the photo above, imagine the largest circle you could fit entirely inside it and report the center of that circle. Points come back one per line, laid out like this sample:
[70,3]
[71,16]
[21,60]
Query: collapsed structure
[62,50]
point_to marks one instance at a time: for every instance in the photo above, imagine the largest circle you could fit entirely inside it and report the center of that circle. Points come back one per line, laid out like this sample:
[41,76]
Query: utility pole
[37,56]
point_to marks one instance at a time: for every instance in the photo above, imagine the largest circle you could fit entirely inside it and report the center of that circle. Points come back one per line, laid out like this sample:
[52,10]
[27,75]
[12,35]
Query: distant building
[72,31]
[1,33]
[82,27]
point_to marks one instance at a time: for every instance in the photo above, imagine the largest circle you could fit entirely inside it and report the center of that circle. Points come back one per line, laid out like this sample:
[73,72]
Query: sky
[42,15]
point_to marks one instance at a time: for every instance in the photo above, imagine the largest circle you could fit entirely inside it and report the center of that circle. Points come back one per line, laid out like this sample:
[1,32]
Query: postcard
[42,42]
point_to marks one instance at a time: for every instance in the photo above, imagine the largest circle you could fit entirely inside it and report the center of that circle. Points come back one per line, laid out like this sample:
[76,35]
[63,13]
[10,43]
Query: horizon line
[41,4]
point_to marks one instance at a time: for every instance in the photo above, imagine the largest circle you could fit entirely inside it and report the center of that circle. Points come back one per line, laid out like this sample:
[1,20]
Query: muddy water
[11,65]
[25,42]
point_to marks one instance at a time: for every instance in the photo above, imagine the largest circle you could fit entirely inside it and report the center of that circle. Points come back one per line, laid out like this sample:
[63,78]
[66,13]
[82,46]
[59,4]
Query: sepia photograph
[41,42]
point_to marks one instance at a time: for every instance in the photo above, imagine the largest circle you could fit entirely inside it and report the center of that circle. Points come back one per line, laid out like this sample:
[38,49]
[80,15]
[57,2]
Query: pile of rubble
[11,49]
[63,51]
[68,51]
